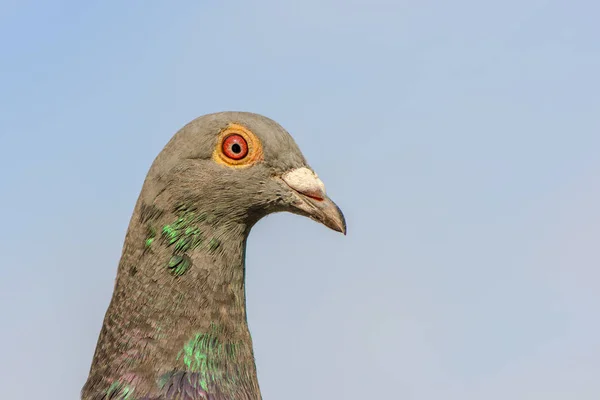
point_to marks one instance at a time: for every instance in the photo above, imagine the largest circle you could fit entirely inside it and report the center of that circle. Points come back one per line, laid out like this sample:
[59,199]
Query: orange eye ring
[237,147]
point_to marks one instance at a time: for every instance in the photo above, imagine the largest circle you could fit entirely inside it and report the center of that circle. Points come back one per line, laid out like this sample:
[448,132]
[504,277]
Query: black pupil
[236,148]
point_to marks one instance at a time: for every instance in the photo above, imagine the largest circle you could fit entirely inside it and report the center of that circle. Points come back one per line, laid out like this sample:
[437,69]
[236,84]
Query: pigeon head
[176,327]
[239,167]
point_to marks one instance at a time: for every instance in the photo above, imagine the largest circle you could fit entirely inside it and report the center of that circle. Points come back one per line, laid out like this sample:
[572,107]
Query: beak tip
[336,226]
[340,221]
[343,229]
[330,215]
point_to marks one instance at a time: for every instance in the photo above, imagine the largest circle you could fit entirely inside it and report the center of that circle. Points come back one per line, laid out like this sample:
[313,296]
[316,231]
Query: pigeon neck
[179,305]
[193,262]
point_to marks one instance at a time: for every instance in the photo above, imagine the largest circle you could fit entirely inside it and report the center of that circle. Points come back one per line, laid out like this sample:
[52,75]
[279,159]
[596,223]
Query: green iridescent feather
[208,354]
[179,264]
[183,235]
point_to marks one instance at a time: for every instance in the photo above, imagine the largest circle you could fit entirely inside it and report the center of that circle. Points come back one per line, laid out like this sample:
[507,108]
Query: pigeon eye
[235,147]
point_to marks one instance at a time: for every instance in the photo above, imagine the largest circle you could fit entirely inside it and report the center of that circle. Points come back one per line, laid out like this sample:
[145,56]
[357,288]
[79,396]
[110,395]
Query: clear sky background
[461,139]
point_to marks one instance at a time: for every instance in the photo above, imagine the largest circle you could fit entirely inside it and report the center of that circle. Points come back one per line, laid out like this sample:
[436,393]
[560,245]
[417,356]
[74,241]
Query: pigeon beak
[312,201]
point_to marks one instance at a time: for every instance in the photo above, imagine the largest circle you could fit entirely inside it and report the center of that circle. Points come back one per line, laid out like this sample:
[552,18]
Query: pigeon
[176,327]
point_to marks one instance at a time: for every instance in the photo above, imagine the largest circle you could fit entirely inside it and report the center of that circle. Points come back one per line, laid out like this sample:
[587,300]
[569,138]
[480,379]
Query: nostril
[306,182]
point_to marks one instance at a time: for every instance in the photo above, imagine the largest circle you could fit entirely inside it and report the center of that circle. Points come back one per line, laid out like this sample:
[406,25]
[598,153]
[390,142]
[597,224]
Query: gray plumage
[176,326]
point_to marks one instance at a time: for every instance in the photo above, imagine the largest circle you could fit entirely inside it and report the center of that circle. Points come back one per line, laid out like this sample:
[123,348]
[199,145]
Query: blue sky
[461,139]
